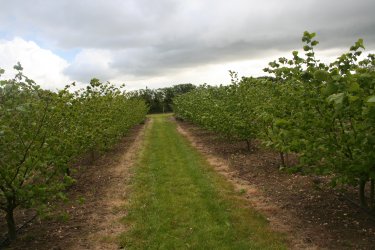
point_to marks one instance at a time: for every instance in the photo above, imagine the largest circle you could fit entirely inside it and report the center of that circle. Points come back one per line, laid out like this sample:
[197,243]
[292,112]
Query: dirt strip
[91,219]
[310,217]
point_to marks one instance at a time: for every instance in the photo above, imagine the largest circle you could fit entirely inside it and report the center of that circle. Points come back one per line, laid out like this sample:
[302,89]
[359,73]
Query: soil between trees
[307,208]
[91,217]
[312,214]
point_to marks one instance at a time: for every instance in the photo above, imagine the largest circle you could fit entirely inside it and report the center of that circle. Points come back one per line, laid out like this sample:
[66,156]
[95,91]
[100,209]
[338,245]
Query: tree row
[43,133]
[323,113]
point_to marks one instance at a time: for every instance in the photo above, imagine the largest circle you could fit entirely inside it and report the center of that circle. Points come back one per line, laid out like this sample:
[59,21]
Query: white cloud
[90,63]
[212,74]
[52,72]
[98,63]
[41,65]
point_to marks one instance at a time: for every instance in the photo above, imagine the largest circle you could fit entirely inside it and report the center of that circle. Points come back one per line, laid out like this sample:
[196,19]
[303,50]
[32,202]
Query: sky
[161,43]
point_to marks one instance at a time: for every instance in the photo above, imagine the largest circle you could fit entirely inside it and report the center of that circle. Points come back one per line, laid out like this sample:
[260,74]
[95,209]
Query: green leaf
[336,98]
[321,75]
[306,48]
[353,87]
[314,43]
[359,43]
[371,99]
[18,66]
[353,98]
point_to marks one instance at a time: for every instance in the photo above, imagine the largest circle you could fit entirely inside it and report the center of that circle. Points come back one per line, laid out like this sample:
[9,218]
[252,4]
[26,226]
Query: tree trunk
[67,171]
[282,159]
[92,156]
[362,196]
[372,194]
[248,144]
[11,224]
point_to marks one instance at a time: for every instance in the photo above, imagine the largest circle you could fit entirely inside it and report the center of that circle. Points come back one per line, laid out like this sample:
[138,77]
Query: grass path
[178,201]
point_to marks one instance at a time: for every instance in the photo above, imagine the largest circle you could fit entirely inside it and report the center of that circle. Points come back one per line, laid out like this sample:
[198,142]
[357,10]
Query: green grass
[177,201]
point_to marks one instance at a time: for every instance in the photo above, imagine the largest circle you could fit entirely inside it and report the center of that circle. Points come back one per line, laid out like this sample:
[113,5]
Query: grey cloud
[153,61]
[84,73]
[147,38]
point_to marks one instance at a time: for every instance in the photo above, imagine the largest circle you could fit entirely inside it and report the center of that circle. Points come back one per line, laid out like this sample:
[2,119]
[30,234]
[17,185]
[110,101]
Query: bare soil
[309,211]
[92,217]
[306,208]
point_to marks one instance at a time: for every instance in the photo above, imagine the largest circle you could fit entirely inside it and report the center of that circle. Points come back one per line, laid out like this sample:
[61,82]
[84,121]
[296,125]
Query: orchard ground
[173,185]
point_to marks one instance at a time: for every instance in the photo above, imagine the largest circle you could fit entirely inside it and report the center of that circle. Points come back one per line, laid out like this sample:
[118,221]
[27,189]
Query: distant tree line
[161,100]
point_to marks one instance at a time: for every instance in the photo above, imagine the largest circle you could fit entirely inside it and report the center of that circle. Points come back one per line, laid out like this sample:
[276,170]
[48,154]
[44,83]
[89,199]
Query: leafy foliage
[42,133]
[324,113]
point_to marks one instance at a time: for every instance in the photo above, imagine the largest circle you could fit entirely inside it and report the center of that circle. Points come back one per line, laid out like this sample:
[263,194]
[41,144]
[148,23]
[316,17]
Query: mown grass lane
[177,201]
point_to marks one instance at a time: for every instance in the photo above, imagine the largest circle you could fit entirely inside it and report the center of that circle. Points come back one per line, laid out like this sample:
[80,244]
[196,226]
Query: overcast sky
[165,42]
